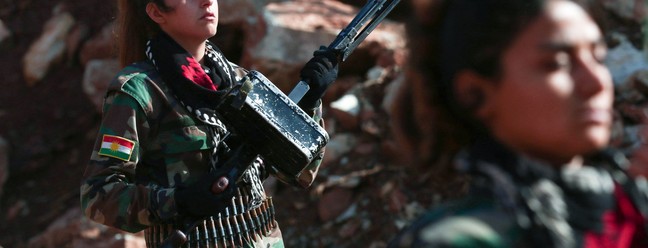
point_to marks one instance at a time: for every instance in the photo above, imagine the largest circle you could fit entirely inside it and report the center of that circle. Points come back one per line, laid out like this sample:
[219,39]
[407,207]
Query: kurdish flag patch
[116,147]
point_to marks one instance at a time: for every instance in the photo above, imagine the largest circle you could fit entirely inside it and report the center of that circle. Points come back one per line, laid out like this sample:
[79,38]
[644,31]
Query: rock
[62,230]
[397,201]
[19,208]
[639,154]
[371,122]
[339,88]
[644,30]
[240,11]
[4,163]
[338,145]
[72,229]
[334,202]
[624,60]
[101,46]
[388,58]
[639,81]
[634,10]
[74,40]
[365,149]
[393,197]
[390,150]
[391,92]
[346,111]
[350,228]
[119,240]
[4,32]
[290,31]
[96,77]
[48,49]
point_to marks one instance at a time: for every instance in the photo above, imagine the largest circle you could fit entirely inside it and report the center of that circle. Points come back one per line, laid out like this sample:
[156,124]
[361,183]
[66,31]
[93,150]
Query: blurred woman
[515,95]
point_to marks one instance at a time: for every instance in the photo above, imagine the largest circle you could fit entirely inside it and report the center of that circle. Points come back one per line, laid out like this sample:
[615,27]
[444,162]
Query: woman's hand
[205,197]
[319,72]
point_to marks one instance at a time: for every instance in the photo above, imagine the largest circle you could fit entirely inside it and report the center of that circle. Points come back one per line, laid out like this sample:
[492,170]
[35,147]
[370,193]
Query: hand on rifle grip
[205,197]
[319,72]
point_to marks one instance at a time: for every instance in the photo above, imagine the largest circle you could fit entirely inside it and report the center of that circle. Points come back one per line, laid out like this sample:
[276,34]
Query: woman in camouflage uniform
[160,141]
[521,105]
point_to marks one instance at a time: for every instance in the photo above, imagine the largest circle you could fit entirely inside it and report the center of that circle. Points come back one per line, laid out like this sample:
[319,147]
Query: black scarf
[199,89]
[520,182]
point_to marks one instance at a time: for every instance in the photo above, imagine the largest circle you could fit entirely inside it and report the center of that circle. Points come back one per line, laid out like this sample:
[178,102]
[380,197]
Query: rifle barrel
[372,25]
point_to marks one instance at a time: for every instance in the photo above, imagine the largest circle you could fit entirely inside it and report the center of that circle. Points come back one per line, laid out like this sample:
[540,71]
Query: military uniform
[148,144]
[516,201]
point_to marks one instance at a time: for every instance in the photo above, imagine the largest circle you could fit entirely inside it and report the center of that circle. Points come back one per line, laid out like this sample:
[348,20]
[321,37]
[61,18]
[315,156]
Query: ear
[475,93]
[155,13]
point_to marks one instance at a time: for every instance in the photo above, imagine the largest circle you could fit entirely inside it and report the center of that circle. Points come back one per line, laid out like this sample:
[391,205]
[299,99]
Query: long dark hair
[134,28]
[446,37]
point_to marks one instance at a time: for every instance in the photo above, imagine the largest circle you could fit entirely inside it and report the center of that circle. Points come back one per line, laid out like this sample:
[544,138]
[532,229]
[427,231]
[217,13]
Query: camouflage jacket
[515,201]
[147,144]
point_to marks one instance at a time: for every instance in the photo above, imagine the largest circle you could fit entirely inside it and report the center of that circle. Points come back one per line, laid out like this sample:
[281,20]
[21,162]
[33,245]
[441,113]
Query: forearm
[110,194]
[108,197]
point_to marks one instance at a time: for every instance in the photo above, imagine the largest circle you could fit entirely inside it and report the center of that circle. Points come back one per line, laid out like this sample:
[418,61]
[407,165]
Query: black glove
[319,72]
[205,197]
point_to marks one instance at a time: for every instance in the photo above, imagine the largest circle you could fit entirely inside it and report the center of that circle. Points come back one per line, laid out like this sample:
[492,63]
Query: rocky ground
[48,126]
[362,195]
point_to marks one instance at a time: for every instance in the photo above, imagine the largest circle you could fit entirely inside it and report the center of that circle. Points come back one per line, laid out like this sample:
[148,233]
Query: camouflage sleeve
[458,231]
[464,223]
[307,177]
[108,192]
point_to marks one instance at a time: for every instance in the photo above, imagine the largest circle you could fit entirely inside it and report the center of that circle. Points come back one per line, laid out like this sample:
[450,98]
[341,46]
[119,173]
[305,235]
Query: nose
[591,76]
[207,3]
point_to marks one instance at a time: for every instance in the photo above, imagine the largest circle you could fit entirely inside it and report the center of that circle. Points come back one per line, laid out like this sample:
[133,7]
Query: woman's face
[191,19]
[554,97]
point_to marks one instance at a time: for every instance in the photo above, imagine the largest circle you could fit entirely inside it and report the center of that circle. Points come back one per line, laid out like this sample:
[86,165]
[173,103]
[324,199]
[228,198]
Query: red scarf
[623,227]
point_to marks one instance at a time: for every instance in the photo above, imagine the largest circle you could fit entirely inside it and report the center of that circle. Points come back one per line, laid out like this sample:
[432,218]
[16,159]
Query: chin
[207,32]
[596,139]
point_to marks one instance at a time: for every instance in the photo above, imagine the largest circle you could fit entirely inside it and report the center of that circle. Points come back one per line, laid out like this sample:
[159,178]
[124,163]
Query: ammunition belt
[233,227]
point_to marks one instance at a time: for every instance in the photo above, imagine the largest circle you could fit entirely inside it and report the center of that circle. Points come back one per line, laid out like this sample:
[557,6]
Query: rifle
[278,121]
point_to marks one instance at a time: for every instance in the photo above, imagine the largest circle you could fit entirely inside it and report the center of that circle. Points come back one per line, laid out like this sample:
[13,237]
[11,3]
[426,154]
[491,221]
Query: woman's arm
[109,194]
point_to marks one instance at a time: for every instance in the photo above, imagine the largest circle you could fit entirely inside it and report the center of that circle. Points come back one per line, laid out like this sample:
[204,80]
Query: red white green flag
[116,147]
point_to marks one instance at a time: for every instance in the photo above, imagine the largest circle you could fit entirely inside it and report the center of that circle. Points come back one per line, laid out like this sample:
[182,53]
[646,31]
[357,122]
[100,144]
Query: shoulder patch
[116,147]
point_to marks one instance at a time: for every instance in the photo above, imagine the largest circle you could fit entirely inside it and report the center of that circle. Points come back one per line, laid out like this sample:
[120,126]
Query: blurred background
[57,56]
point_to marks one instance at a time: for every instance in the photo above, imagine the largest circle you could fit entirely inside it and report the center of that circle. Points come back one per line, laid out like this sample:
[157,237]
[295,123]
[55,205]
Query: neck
[557,161]
[196,50]
[194,47]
